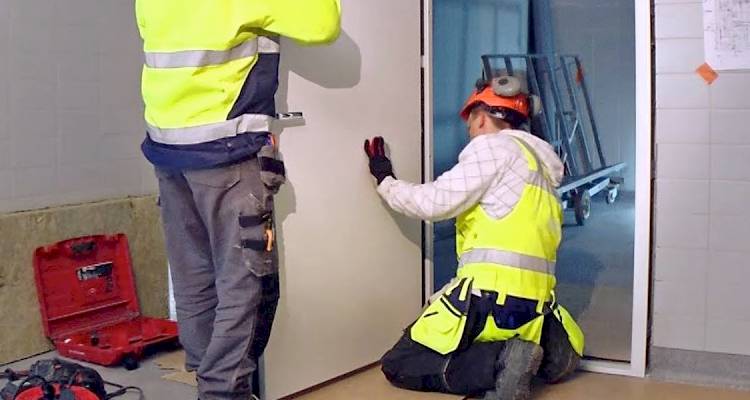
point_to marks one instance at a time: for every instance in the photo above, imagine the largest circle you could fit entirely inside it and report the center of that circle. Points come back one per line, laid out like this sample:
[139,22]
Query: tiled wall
[70,107]
[702,209]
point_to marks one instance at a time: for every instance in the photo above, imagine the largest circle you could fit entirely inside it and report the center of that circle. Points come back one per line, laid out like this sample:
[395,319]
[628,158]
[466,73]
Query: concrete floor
[370,385]
[147,377]
[595,275]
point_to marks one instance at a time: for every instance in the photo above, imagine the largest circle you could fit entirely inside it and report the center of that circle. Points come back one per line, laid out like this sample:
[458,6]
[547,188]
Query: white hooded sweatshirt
[489,172]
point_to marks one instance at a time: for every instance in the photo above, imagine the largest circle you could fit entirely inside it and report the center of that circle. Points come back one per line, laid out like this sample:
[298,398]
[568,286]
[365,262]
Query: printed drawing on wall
[727,33]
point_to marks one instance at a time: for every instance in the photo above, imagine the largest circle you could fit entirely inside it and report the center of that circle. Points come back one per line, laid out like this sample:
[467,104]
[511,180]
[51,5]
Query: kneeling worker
[497,324]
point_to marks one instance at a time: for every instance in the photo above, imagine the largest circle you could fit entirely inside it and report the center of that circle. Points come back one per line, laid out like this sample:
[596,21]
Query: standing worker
[489,330]
[209,81]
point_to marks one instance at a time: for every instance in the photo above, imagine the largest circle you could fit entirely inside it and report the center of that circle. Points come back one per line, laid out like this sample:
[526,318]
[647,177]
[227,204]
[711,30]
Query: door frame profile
[643,195]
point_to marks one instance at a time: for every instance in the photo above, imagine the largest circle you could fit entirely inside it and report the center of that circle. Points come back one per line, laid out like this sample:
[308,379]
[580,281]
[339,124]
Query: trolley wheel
[612,195]
[130,362]
[582,205]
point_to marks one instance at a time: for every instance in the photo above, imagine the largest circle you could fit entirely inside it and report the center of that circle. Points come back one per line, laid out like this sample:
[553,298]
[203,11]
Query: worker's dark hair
[513,118]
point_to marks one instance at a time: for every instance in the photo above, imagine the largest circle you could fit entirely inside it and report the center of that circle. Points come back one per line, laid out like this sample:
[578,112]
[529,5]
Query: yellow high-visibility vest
[511,256]
[199,55]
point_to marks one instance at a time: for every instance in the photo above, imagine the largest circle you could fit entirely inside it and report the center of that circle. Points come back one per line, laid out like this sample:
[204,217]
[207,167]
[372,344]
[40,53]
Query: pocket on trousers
[272,170]
[222,178]
[258,255]
[440,327]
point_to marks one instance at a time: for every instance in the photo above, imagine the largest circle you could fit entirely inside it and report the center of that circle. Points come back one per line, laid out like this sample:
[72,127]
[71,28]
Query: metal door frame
[643,198]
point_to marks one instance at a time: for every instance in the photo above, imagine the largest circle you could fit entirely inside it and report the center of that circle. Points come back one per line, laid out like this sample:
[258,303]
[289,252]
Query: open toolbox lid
[85,284]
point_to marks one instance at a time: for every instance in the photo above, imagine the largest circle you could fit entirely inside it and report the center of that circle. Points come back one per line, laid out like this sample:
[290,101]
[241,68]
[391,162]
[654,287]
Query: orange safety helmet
[501,93]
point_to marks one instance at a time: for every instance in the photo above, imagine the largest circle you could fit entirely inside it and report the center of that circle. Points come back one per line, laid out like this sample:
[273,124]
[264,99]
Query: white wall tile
[31,10]
[679,20]
[4,77]
[4,109]
[681,91]
[78,96]
[72,122]
[79,12]
[120,147]
[720,320]
[731,90]
[4,112]
[683,196]
[4,68]
[118,20]
[6,184]
[123,121]
[56,93]
[728,336]
[33,181]
[685,333]
[33,123]
[122,176]
[4,116]
[32,25]
[71,69]
[116,92]
[681,231]
[729,232]
[33,65]
[32,94]
[730,162]
[682,126]
[82,40]
[676,1]
[5,152]
[726,300]
[79,149]
[729,268]
[682,161]
[730,198]
[679,55]
[679,299]
[4,11]
[730,126]
[680,265]
[33,152]
[80,179]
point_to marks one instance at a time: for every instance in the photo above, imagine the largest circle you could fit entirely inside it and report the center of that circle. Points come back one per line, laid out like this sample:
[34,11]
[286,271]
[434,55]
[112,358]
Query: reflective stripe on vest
[204,58]
[245,123]
[508,258]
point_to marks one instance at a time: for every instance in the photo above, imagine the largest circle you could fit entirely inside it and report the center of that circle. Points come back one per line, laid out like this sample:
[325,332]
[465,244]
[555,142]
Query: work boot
[560,360]
[517,365]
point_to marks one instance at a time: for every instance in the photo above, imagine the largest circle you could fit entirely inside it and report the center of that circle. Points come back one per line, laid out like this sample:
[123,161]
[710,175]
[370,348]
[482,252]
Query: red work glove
[380,165]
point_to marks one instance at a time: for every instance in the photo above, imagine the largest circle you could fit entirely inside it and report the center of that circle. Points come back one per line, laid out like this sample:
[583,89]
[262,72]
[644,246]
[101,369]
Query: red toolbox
[89,305]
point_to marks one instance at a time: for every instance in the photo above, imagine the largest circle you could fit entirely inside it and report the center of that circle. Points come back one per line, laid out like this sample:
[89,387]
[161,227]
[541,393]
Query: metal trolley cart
[567,122]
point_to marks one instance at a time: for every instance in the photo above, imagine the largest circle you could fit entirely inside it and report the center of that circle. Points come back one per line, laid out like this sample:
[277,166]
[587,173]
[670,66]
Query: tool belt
[460,315]
[273,176]
[272,170]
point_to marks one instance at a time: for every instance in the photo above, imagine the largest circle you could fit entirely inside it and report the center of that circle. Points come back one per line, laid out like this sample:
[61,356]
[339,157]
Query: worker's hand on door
[380,165]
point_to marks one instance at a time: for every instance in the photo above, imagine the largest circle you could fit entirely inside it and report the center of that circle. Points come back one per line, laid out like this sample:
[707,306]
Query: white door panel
[350,269]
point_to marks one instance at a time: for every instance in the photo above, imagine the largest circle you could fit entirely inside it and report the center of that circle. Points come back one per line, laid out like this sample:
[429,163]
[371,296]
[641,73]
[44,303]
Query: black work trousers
[472,368]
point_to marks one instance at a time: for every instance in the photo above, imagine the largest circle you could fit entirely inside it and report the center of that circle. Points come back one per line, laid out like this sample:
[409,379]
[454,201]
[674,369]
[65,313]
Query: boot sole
[515,383]
[552,375]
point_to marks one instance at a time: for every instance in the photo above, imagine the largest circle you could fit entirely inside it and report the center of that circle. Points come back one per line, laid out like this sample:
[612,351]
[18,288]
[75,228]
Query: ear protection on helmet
[535,105]
[506,86]
[509,94]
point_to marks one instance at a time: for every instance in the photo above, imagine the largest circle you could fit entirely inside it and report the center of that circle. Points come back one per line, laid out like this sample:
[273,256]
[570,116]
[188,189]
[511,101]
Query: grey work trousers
[226,283]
